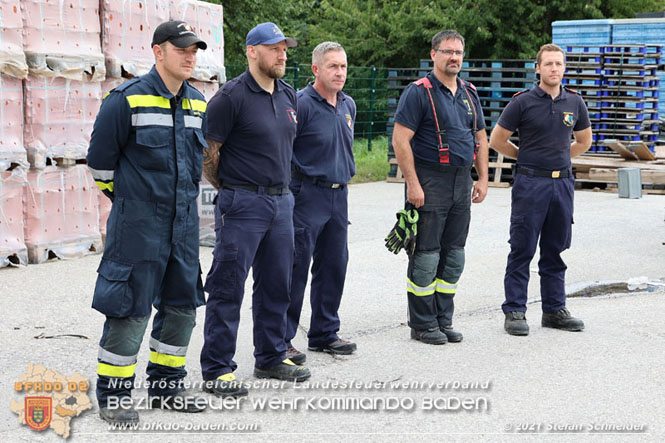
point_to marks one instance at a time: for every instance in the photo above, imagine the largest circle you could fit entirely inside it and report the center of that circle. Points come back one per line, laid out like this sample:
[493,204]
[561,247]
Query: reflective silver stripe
[98,174]
[445,287]
[115,359]
[148,119]
[193,122]
[163,348]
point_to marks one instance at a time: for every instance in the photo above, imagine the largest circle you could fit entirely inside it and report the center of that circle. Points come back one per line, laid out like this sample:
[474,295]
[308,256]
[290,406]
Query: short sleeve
[221,113]
[510,117]
[409,108]
[583,121]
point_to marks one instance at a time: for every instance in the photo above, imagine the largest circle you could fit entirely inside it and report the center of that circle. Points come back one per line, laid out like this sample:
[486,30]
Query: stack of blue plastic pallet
[626,93]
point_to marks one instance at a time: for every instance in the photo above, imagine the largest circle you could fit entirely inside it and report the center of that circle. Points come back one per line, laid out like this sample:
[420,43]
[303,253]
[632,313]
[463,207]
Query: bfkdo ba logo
[38,412]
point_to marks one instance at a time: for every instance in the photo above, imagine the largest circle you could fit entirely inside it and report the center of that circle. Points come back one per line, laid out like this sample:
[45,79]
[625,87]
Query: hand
[415,194]
[479,191]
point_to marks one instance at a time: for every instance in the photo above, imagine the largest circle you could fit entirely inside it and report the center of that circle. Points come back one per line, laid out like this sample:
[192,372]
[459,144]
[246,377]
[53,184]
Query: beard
[274,71]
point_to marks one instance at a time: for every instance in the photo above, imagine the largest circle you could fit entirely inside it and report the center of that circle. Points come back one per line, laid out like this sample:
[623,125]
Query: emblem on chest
[568,119]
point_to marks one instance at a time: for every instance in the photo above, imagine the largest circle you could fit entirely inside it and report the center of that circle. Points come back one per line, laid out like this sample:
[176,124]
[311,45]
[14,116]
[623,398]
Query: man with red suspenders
[439,133]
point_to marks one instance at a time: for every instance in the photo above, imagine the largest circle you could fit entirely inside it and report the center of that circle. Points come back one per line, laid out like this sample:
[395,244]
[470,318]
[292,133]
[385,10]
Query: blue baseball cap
[268,34]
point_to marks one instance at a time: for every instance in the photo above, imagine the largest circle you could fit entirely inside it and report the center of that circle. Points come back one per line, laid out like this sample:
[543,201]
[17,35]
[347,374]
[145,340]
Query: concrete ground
[602,384]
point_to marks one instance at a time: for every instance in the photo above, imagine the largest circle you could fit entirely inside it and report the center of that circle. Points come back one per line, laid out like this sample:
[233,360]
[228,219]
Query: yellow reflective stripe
[444,287]
[149,101]
[105,186]
[419,290]
[115,371]
[195,105]
[167,360]
[106,95]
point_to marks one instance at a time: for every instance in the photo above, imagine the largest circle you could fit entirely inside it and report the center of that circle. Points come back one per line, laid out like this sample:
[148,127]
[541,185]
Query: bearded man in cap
[250,139]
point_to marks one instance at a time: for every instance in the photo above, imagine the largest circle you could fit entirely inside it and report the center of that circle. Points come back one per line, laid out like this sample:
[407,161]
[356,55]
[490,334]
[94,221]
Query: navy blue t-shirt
[545,126]
[256,130]
[323,147]
[415,112]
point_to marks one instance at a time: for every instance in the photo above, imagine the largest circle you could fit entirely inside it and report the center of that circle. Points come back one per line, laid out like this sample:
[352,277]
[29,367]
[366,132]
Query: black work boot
[225,385]
[562,320]
[515,323]
[286,370]
[119,416]
[452,335]
[432,336]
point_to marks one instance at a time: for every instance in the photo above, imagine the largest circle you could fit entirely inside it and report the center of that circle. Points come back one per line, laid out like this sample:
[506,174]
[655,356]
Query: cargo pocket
[300,243]
[517,231]
[569,236]
[222,279]
[113,296]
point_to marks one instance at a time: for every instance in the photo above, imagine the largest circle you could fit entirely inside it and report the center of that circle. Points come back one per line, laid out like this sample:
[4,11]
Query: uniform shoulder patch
[517,94]
[470,85]
[571,90]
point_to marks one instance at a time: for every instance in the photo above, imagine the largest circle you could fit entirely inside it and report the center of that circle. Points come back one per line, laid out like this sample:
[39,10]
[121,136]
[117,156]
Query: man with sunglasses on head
[439,134]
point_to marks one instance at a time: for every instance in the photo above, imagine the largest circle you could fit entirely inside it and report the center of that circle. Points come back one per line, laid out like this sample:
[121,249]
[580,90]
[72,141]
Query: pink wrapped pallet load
[12,151]
[12,58]
[59,115]
[207,21]
[62,38]
[127,31]
[61,213]
[12,242]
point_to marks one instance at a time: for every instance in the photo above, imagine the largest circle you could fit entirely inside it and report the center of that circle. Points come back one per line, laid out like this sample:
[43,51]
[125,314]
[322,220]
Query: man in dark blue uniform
[146,154]
[322,166]
[436,157]
[252,126]
[546,117]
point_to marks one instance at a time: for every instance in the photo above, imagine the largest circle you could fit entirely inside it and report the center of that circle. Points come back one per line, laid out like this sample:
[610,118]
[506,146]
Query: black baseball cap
[177,32]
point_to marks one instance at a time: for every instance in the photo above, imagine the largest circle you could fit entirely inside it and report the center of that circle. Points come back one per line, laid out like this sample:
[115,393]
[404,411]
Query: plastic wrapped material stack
[206,213]
[61,213]
[62,39]
[59,115]
[12,57]
[127,28]
[207,89]
[12,150]
[111,83]
[207,21]
[12,243]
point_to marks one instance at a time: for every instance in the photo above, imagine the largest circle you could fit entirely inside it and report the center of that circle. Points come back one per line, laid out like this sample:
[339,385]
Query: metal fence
[367,85]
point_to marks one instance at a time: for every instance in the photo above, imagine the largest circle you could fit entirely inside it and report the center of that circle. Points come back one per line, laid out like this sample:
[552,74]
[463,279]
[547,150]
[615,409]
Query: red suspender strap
[444,154]
[475,117]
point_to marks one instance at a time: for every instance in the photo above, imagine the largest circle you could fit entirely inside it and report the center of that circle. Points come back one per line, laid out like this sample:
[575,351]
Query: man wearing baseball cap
[250,139]
[146,155]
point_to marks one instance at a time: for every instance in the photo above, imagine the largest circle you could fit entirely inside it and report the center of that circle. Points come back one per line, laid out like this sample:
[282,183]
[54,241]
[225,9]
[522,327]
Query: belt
[564,173]
[317,181]
[257,189]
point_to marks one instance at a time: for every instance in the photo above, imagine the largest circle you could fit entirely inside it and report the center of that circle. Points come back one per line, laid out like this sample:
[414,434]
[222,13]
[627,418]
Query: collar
[161,88]
[541,93]
[254,86]
[309,89]
[436,83]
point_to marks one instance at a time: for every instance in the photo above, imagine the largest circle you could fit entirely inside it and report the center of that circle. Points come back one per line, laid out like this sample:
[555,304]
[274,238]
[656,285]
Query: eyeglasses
[450,52]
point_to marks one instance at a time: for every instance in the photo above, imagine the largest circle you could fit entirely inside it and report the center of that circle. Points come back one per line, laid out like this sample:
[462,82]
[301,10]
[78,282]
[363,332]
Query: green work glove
[403,234]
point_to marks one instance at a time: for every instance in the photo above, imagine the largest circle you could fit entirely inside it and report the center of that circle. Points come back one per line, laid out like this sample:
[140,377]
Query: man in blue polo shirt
[250,138]
[547,117]
[435,155]
[322,166]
